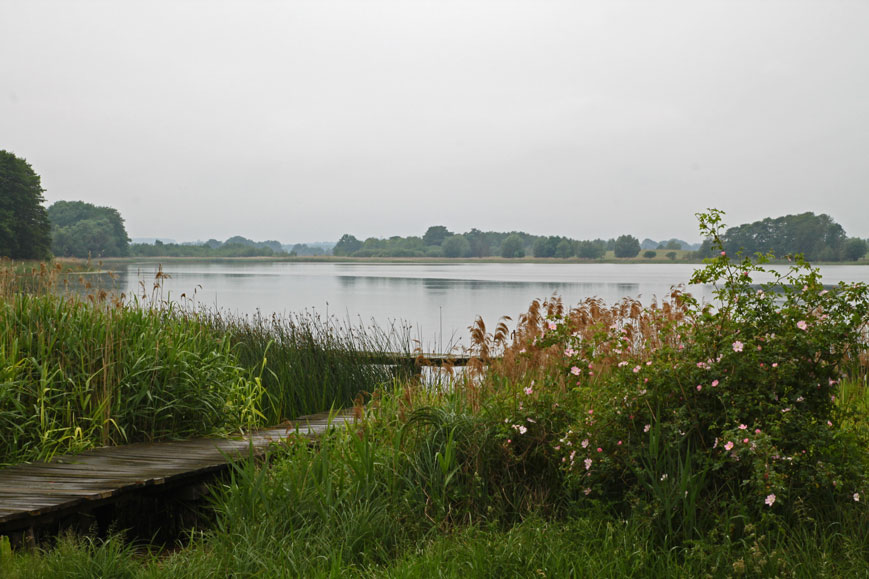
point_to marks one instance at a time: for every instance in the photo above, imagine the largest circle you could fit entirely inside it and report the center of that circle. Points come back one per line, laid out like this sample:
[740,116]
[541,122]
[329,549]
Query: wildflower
[737,346]
[599,449]
[802,325]
[788,409]
[649,363]
[509,441]
[769,500]
[575,370]
[529,391]
[742,427]
[664,476]
[757,430]
[587,463]
[699,388]
[823,292]
[857,497]
[800,399]
[584,443]
[531,420]
[647,427]
[636,369]
[622,364]
[619,443]
[775,364]
[744,441]
[829,423]
[728,445]
[569,352]
[723,254]
[552,326]
[714,383]
[587,491]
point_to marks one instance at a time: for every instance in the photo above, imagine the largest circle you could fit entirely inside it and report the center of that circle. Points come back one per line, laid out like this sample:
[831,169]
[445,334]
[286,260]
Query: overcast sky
[302,120]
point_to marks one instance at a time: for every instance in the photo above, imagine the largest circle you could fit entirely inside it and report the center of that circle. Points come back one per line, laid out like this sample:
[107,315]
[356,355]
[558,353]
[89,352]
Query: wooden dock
[37,494]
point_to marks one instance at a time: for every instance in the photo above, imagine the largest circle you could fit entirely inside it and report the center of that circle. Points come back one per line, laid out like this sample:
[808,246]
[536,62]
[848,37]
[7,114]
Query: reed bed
[82,367]
[305,363]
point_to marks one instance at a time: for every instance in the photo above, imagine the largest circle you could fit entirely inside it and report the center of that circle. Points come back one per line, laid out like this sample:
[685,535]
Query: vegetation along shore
[681,439]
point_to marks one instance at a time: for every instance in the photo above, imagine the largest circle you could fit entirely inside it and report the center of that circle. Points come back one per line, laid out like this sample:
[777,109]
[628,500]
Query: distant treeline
[438,241]
[237,246]
[816,237]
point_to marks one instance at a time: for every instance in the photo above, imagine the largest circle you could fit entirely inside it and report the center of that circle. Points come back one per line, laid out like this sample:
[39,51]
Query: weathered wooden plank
[68,482]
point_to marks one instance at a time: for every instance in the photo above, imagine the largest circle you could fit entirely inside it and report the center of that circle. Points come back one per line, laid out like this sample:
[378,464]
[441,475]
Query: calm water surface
[438,301]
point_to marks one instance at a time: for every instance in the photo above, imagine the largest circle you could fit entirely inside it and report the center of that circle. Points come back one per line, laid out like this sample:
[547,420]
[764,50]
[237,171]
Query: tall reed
[306,363]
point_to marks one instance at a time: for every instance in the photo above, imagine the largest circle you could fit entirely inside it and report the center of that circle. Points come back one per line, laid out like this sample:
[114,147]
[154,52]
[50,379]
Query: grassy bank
[614,440]
[79,372]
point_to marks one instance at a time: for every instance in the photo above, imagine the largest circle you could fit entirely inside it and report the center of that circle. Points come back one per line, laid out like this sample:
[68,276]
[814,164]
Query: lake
[438,301]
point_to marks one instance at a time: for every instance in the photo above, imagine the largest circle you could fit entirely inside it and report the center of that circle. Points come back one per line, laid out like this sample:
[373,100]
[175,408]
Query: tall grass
[80,370]
[306,363]
[78,374]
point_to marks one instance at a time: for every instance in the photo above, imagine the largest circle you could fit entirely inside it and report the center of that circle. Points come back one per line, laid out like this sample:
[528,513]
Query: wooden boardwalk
[31,494]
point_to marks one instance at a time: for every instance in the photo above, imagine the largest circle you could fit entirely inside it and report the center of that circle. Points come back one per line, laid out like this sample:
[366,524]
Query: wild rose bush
[718,407]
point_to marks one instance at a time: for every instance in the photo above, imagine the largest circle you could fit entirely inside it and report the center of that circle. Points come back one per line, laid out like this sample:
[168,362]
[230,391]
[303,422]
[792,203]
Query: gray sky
[302,120]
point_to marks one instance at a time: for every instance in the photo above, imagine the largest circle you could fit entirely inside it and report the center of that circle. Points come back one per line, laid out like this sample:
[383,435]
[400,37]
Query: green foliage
[513,247]
[456,246]
[591,249]
[436,234]
[649,254]
[815,237]
[80,229]
[854,249]
[671,255]
[740,397]
[25,232]
[347,245]
[77,375]
[236,246]
[306,364]
[626,246]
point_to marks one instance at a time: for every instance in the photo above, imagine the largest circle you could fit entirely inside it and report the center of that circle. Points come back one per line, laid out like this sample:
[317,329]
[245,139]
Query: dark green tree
[513,246]
[626,246]
[545,246]
[80,229]
[591,249]
[456,246]
[347,245]
[564,249]
[854,249]
[436,234]
[25,231]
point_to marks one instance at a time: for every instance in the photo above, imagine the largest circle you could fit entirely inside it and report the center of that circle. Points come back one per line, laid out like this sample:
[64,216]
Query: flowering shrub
[731,403]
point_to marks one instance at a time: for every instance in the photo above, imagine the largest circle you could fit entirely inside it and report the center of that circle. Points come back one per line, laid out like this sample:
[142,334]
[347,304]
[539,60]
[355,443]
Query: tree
[513,246]
[456,246]
[650,253]
[80,229]
[545,246]
[25,231]
[813,236]
[436,234]
[591,249]
[626,246]
[854,249]
[564,249]
[347,245]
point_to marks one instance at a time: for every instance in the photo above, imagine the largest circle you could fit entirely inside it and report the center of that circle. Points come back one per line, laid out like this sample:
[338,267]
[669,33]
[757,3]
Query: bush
[691,412]
[650,254]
